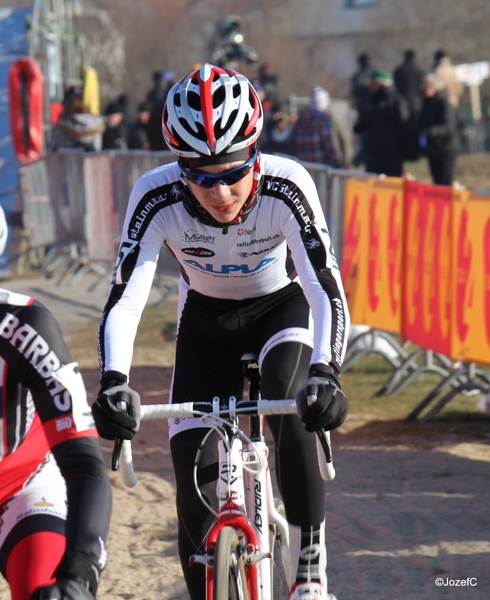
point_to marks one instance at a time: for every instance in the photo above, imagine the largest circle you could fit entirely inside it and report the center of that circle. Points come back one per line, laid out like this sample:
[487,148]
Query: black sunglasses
[209,180]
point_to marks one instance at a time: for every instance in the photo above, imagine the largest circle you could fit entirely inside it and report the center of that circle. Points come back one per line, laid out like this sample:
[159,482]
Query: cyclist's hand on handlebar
[63,589]
[320,401]
[117,408]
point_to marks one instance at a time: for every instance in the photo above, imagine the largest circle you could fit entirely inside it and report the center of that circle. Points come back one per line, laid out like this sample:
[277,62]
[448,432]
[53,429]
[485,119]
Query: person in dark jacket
[409,79]
[361,96]
[114,137]
[438,131]
[386,126]
[137,138]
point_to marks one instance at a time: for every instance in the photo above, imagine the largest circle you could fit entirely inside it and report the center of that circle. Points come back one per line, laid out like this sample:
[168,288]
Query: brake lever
[116,453]
[118,442]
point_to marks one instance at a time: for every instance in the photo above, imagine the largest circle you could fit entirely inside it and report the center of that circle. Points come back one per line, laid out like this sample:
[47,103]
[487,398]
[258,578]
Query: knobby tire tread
[230,581]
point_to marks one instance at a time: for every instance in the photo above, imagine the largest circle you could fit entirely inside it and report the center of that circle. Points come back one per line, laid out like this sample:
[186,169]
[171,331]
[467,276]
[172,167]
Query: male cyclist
[55,495]
[255,255]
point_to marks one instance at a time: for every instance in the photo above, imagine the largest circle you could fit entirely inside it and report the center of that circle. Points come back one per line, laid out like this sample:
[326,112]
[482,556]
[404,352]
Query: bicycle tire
[278,576]
[230,582]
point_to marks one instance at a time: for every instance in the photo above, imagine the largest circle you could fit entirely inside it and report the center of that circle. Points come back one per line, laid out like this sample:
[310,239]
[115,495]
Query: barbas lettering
[26,340]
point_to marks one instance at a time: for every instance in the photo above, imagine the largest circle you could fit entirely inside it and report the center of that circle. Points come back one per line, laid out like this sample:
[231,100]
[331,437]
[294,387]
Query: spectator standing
[385,125]
[282,135]
[156,99]
[268,80]
[137,138]
[438,131]
[409,80]
[361,94]
[361,85]
[313,131]
[77,127]
[158,92]
[113,137]
[445,71]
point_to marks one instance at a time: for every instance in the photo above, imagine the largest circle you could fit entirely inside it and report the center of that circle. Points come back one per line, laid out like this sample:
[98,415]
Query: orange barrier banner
[385,244]
[470,340]
[426,287]
[356,246]
[371,256]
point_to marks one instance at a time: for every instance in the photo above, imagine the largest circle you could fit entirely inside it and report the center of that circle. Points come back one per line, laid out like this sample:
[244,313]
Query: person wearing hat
[385,125]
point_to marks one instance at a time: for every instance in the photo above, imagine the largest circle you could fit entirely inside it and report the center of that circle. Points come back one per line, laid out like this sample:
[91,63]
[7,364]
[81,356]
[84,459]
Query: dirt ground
[409,507]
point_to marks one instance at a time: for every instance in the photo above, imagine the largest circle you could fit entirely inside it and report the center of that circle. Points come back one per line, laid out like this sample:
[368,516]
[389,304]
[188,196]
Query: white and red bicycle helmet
[213,115]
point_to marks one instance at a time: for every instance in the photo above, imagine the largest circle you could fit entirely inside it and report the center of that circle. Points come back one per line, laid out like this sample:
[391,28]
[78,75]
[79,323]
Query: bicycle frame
[244,486]
[246,503]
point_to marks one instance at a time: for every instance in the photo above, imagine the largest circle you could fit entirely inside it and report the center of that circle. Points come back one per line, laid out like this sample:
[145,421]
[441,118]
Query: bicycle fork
[264,515]
[232,512]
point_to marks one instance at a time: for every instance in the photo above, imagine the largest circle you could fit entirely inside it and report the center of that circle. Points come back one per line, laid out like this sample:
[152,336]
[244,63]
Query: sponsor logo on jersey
[257,241]
[294,195]
[247,254]
[245,231]
[193,236]
[43,502]
[125,249]
[63,423]
[229,269]
[198,252]
[177,191]
[312,243]
[339,333]
[139,219]
[26,340]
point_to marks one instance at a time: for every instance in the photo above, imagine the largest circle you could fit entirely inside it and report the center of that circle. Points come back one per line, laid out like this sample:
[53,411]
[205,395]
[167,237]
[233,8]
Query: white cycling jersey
[282,237]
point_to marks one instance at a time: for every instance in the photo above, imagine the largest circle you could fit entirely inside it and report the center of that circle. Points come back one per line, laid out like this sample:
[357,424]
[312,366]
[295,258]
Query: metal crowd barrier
[74,203]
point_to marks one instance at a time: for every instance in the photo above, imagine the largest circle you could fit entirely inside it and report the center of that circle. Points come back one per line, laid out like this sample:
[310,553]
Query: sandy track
[404,510]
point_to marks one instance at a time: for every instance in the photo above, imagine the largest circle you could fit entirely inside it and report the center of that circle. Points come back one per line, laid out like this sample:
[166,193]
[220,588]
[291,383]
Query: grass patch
[370,415]
[366,377]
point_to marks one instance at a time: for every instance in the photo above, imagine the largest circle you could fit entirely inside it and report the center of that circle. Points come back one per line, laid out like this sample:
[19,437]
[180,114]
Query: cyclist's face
[223,202]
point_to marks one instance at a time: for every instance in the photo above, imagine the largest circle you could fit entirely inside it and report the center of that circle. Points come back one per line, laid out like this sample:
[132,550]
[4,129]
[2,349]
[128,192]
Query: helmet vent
[193,100]
[236,91]
[201,132]
[218,97]
[241,131]
[218,130]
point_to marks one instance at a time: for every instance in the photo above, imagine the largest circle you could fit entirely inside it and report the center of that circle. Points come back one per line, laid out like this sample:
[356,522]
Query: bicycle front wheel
[230,582]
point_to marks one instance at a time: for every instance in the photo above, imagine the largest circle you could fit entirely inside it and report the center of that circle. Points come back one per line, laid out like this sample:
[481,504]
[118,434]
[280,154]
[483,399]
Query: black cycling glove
[117,408]
[320,401]
[77,578]
[63,589]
